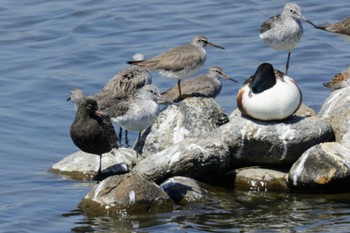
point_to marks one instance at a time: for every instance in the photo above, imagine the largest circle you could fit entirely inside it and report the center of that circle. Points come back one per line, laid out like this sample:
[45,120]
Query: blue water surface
[50,47]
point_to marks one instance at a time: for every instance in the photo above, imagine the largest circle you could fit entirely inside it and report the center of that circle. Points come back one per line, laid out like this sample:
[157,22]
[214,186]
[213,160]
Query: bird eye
[151,91]
[89,106]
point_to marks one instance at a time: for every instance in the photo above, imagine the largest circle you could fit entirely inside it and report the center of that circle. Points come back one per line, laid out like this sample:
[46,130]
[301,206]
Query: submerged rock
[256,142]
[191,118]
[335,110]
[84,166]
[126,194]
[322,168]
[258,179]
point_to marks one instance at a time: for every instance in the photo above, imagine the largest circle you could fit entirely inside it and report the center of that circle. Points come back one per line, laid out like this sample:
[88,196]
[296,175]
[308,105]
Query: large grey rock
[206,160]
[256,142]
[84,166]
[191,118]
[125,194]
[322,168]
[335,110]
[256,179]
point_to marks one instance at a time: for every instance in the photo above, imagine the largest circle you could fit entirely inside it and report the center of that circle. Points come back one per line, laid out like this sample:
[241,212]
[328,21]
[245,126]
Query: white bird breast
[276,103]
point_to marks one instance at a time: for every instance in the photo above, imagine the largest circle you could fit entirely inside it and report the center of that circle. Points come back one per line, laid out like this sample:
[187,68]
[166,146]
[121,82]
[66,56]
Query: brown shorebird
[181,62]
[207,85]
[340,80]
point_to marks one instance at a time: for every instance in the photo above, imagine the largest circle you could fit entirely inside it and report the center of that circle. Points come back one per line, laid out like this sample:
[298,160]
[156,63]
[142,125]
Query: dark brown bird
[92,131]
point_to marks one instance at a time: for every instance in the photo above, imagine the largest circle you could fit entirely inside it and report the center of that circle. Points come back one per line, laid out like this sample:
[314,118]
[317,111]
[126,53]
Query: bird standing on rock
[92,131]
[284,31]
[180,62]
[208,85]
[269,95]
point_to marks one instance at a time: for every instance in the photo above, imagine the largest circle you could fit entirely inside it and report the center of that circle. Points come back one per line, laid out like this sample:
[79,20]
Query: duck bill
[215,45]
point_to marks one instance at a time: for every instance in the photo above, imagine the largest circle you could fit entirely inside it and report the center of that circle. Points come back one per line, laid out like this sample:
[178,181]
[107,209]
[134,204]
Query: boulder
[190,118]
[125,194]
[254,142]
[185,190]
[84,166]
[322,168]
[257,179]
[206,160]
[335,110]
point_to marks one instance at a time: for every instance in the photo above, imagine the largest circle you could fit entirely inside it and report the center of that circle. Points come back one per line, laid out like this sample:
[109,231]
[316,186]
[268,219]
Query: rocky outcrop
[191,118]
[322,168]
[84,166]
[125,194]
[335,110]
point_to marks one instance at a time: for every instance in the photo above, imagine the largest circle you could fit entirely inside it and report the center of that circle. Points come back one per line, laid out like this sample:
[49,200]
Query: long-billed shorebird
[207,85]
[269,95]
[340,80]
[180,62]
[284,31]
[342,28]
[136,112]
[92,131]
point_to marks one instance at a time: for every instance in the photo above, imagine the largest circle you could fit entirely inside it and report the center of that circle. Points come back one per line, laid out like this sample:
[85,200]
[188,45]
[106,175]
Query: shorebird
[207,85]
[124,83]
[76,96]
[283,31]
[135,112]
[180,62]
[92,131]
[340,80]
[342,28]
[269,95]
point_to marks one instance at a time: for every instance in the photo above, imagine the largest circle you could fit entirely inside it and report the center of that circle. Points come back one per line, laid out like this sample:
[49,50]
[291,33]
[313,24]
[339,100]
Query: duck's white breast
[276,103]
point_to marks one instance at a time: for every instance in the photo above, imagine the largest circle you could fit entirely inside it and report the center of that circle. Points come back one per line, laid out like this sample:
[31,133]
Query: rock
[335,110]
[305,111]
[191,118]
[256,179]
[184,190]
[126,194]
[84,166]
[254,142]
[206,160]
[322,168]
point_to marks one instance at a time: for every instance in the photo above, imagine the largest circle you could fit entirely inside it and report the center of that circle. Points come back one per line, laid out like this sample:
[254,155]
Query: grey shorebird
[284,31]
[135,112]
[180,62]
[124,83]
[207,85]
[92,131]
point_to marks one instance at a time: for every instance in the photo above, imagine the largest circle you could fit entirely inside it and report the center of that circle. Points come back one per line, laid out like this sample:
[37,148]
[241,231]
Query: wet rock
[322,168]
[84,166]
[258,179]
[256,142]
[206,160]
[191,118]
[184,190]
[126,194]
[335,110]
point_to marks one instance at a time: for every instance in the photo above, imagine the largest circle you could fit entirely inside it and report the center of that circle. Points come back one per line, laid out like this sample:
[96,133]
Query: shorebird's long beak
[215,45]
[308,21]
[228,77]
[167,101]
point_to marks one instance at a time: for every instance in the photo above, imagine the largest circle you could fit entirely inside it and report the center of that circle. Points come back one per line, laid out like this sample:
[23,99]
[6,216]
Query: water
[50,47]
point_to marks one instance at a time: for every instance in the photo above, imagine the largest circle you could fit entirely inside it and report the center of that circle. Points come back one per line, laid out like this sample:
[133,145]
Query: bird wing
[268,24]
